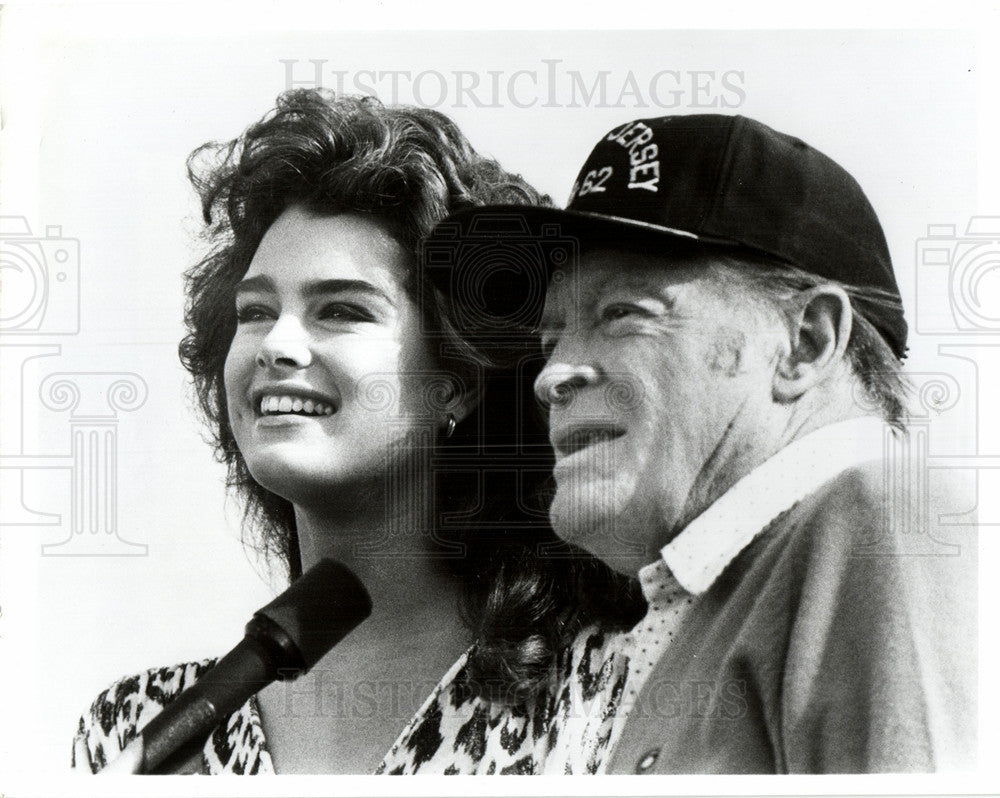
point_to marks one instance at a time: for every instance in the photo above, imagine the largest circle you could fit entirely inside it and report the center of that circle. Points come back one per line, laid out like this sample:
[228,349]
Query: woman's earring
[449,426]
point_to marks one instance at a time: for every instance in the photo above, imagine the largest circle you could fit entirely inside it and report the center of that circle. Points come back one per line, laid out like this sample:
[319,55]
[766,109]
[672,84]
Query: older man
[723,382]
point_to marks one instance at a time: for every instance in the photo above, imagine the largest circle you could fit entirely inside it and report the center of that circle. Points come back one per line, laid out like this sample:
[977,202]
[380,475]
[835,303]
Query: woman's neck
[390,547]
[344,715]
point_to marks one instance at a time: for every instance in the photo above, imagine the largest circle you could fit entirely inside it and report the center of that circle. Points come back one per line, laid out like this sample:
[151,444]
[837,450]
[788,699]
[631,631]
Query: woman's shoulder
[460,731]
[126,706]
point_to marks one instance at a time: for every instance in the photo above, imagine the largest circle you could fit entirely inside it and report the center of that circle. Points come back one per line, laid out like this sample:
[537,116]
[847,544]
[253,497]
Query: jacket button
[648,760]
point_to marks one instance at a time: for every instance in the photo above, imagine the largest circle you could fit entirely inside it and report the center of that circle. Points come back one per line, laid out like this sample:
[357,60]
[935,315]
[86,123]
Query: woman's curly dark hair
[528,594]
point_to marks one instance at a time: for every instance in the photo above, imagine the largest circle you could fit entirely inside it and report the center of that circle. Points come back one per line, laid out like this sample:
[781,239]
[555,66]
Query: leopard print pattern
[566,730]
[119,713]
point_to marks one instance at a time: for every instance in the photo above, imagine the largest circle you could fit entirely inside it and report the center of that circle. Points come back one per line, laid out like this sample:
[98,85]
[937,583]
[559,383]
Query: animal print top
[568,729]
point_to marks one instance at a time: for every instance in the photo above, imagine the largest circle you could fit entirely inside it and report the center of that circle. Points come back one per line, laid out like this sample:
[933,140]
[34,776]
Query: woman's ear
[466,400]
[448,400]
[818,339]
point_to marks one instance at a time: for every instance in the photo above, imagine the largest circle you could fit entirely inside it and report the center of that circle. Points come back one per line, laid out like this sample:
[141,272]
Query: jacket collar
[711,541]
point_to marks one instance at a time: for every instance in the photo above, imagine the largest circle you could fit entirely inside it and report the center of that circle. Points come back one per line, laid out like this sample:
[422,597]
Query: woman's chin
[293,479]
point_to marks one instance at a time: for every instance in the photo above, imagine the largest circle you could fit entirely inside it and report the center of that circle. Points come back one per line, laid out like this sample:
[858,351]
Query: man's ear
[818,339]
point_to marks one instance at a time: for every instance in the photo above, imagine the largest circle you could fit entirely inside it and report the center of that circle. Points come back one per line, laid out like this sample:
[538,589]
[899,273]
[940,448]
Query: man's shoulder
[844,629]
[875,529]
[887,505]
[855,494]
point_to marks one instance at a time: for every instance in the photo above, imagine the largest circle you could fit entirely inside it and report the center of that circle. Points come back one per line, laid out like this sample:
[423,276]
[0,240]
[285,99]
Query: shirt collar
[657,582]
[712,540]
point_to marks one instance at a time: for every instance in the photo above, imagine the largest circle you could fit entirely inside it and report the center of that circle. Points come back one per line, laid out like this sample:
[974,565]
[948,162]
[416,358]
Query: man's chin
[599,528]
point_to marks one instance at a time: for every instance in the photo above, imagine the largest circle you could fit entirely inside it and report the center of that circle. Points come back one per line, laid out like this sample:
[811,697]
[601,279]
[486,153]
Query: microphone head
[319,609]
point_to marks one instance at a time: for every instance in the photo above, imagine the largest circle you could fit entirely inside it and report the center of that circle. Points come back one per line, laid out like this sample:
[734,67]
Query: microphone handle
[282,640]
[173,736]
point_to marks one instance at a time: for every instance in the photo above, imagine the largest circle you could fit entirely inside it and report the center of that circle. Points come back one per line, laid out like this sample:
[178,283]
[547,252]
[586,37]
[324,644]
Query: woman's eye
[340,311]
[251,313]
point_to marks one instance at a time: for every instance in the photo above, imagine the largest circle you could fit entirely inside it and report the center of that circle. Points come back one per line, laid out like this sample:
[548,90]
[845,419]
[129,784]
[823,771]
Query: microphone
[283,640]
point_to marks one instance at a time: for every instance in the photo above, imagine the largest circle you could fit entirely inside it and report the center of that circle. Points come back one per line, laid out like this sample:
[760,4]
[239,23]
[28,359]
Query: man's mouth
[573,440]
[278,404]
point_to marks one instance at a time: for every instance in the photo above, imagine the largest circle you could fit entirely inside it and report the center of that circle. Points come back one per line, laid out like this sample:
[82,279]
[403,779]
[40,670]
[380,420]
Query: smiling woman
[322,309]
[358,422]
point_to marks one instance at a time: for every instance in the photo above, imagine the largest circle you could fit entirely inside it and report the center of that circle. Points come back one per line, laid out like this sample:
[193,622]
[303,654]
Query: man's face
[659,384]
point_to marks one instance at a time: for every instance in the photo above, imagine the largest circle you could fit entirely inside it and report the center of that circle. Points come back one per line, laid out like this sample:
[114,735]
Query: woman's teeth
[292,404]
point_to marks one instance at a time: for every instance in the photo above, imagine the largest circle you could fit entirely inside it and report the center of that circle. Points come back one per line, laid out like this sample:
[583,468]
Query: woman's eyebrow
[339,286]
[264,284]
[261,283]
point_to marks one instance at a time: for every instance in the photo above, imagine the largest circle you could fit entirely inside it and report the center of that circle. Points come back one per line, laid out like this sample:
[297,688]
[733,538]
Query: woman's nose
[558,382]
[286,345]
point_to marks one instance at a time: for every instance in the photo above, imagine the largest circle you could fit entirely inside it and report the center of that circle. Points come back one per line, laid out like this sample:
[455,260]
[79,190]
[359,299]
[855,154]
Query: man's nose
[286,345]
[558,382]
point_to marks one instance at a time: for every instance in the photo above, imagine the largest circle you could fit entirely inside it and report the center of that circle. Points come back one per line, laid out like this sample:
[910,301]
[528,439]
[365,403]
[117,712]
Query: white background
[101,108]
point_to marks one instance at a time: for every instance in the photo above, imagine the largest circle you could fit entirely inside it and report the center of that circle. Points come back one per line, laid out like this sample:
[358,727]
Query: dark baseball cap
[708,178]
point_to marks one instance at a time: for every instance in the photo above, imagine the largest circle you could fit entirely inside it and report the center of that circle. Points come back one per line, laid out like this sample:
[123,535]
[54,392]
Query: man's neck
[745,446]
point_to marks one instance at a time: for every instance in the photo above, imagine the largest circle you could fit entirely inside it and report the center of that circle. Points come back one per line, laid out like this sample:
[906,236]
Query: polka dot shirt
[645,644]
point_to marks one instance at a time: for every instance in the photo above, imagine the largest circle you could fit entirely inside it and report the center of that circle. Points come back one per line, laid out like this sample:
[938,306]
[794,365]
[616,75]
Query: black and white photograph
[522,391]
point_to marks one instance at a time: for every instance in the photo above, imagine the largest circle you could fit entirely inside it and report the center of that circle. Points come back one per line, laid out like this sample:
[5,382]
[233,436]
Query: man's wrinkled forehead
[604,271]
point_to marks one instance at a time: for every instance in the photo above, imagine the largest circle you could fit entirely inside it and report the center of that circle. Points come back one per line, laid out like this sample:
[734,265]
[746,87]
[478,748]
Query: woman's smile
[282,408]
[272,405]
[274,399]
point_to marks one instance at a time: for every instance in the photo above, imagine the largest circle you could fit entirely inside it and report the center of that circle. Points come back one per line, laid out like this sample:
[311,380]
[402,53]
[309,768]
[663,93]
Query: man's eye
[618,311]
[251,313]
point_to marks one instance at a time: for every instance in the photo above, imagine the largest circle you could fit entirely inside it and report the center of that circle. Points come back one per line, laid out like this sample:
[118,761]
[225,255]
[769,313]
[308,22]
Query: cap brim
[498,290]
[589,229]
